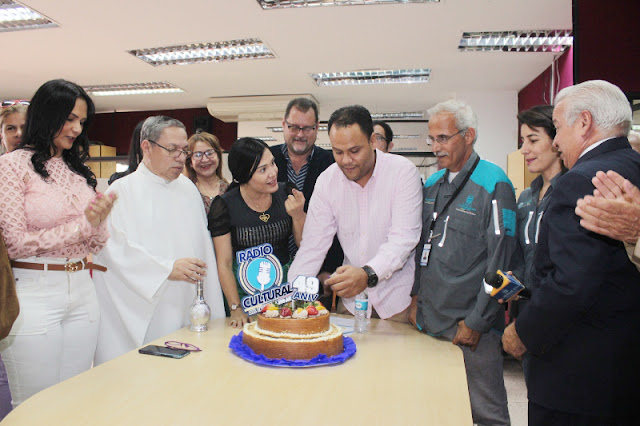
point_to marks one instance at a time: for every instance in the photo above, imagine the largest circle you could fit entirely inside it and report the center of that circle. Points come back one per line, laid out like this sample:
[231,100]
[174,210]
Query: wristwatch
[234,307]
[372,278]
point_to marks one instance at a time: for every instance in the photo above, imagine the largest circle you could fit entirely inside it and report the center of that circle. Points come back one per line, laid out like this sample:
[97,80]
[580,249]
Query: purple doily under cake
[246,353]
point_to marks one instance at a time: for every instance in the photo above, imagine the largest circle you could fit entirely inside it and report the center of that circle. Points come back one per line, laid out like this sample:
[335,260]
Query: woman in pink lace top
[52,218]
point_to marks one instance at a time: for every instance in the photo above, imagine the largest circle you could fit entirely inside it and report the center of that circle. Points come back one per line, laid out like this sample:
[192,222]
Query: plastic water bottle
[362,303]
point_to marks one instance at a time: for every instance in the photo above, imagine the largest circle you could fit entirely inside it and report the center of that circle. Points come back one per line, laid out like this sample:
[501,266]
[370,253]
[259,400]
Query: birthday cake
[300,333]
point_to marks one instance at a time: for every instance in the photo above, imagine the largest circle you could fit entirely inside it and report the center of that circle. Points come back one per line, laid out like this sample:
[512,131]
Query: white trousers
[55,335]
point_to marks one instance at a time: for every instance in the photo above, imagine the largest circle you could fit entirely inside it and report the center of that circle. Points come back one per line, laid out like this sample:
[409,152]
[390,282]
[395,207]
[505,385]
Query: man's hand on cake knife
[348,281]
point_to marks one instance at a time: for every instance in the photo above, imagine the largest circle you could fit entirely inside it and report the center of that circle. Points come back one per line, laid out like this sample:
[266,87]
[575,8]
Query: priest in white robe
[159,247]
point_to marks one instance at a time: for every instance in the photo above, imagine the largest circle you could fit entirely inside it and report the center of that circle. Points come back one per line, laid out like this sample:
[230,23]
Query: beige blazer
[633,250]
[9,307]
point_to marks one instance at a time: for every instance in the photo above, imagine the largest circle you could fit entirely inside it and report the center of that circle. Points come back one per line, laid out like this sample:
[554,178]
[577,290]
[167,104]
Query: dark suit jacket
[582,325]
[319,162]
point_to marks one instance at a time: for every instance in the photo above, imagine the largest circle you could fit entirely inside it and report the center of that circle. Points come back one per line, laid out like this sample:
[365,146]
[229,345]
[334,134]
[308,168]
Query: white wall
[497,123]
[497,128]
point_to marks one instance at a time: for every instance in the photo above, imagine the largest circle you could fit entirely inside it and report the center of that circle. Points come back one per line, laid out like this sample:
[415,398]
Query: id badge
[424,258]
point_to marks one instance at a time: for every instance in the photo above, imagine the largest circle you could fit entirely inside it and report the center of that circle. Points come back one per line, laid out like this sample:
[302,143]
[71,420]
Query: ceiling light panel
[278,129]
[419,75]
[397,115]
[517,41]
[132,89]
[16,17]
[406,137]
[284,4]
[220,51]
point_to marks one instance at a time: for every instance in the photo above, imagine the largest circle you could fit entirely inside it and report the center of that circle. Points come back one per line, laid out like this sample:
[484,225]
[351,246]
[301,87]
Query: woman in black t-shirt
[255,210]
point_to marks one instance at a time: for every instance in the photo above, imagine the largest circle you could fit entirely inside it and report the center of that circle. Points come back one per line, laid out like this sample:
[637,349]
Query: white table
[397,377]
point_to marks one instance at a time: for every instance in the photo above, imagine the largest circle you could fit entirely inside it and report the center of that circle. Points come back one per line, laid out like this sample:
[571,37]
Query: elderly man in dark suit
[582,325]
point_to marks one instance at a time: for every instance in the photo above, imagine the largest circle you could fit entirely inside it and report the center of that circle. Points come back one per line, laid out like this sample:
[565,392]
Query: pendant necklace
[264,216]
[203,192]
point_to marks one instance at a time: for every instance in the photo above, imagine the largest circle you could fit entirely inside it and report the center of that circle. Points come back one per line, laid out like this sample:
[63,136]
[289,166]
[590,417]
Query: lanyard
[436,214]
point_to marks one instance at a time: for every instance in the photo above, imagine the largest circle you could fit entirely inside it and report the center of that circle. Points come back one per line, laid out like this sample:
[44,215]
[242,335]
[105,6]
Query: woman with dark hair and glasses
[255,210]
[204,168]
[12,120]
[52,218]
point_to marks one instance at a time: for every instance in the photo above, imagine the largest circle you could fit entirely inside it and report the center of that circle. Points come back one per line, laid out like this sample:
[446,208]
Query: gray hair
[464,115]
[609,107]
[153,126]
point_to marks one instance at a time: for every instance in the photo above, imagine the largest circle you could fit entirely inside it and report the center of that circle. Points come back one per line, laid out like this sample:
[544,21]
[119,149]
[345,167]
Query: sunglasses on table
[181,345]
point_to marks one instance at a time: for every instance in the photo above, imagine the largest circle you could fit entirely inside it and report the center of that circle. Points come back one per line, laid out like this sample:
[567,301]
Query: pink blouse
[45,217]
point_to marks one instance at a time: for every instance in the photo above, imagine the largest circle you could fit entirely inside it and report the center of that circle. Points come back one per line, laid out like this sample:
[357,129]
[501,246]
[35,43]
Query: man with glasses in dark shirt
[300,162]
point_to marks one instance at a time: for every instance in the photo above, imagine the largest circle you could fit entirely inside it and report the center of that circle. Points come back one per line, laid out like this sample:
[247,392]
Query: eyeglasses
[442,139]
[6,104]
[295,129]
[173,152]
[209,153]
[180,345]
[381,138]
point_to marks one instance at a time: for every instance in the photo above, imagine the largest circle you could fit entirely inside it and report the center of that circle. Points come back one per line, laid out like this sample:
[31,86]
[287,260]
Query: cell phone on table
[164,351]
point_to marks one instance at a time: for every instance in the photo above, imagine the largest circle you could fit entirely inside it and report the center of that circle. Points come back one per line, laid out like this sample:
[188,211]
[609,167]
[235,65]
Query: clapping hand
[99,208]
[614,208]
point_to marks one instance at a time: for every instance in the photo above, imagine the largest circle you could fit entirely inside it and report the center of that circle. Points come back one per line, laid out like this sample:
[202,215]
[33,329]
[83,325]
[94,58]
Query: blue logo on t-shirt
[258,269]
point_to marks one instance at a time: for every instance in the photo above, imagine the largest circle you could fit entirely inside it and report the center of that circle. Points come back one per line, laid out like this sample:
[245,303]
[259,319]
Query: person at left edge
[473,233]
[158,249]
[12,120]
[52,218]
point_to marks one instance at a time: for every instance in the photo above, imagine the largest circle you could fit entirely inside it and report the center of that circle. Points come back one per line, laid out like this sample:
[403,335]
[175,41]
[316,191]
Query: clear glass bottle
[199,312]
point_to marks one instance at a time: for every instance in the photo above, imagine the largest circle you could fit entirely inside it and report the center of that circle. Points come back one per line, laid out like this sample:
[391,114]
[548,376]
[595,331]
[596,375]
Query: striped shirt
[298,180]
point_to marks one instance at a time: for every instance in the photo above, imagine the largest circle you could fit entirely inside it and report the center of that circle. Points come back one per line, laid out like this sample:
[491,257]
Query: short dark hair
[539,116]
[352,114]
[135,152]
[244,157]
[388,133]
[304,105]
[48,111]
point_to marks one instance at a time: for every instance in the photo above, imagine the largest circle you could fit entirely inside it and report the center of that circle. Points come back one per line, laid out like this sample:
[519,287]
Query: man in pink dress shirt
[372,201]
